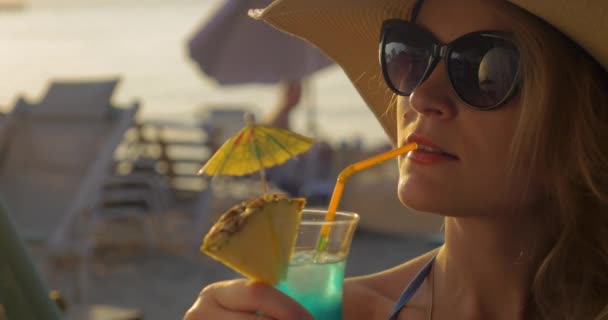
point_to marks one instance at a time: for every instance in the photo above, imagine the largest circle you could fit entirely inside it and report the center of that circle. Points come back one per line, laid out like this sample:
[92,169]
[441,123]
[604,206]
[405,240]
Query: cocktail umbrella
[255,148]
[234,49]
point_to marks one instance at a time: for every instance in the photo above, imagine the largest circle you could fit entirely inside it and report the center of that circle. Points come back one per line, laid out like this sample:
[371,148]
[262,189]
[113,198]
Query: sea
[145,43]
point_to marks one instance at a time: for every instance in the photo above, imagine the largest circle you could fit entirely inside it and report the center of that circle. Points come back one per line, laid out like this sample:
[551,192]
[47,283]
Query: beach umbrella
[234,49]
[255,148]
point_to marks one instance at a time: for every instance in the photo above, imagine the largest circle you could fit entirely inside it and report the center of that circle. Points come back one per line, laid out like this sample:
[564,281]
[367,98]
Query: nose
[434,97]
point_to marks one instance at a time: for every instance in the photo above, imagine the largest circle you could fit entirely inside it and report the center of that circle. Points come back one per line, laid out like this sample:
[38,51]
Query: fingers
[200,314]
[261,297]
[241,299]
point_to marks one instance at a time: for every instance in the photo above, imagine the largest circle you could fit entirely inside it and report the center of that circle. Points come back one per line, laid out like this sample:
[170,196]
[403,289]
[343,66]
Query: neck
[485,267]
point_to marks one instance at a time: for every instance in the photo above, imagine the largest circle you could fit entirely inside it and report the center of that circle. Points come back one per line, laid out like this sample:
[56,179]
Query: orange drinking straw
[345,174]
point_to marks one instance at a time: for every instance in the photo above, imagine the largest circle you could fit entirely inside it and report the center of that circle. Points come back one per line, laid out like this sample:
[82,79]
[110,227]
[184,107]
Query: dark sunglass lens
[406,58]
[483,69]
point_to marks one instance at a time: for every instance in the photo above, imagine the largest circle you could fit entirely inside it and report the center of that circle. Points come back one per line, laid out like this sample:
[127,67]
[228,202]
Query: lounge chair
[55,159]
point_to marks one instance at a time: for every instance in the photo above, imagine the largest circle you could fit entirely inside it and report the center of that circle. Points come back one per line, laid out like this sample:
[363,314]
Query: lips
[427,146]
[427,149]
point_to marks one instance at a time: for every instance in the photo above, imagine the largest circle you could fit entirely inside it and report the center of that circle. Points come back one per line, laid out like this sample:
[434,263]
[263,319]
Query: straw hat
[348,32]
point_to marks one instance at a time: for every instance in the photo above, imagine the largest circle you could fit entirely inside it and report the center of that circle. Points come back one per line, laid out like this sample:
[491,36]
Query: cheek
[402,123]
[403,118]
[482,141]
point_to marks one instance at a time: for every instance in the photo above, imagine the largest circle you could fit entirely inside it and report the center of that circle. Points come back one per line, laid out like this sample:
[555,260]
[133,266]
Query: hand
[292,93]
[244,299]
[279,116]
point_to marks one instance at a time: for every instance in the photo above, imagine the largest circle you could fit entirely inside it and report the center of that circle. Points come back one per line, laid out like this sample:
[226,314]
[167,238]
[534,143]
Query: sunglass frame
[442,51]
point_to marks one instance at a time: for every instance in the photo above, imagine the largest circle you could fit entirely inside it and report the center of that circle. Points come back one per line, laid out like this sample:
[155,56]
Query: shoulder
[391,282]
[373,296]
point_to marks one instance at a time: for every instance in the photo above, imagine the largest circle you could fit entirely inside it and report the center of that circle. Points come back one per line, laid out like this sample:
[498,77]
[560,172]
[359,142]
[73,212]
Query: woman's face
[473,181]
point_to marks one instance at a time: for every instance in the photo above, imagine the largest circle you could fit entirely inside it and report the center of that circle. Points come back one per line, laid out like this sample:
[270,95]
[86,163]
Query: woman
[514,118]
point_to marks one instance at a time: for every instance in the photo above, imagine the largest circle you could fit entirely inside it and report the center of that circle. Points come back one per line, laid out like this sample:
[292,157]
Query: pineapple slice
[256,238]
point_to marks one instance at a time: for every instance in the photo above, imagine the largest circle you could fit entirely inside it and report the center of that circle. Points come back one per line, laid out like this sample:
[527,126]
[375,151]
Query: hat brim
[355,49]
[583,21]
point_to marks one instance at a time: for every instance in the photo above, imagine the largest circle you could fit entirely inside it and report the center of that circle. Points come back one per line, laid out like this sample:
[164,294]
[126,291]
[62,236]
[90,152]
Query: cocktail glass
[314,278]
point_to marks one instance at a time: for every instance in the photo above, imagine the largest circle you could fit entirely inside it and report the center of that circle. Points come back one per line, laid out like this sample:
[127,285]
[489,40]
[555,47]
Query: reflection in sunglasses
[496,72]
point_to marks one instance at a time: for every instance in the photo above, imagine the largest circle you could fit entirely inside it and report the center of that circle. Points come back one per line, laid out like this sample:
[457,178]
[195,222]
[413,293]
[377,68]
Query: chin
[430,199]
[415,197]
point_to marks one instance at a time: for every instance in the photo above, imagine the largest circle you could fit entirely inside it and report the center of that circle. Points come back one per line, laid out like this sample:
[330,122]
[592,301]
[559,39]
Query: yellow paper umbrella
[254,148]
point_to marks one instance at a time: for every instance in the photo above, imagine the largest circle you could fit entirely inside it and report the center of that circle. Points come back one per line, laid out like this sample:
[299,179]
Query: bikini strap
[412,287]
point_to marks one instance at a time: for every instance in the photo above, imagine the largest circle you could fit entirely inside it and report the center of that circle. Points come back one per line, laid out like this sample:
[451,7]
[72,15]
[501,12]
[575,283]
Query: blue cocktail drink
[314,279]
[316,285]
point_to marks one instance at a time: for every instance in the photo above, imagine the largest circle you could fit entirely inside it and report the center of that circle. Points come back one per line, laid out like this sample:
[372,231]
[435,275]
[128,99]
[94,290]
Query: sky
[144,42]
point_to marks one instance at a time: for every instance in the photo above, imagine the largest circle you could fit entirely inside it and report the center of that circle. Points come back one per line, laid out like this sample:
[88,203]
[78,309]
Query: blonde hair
[563,133]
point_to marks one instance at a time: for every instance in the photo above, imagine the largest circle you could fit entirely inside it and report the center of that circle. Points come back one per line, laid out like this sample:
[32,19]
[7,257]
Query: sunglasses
[483,66]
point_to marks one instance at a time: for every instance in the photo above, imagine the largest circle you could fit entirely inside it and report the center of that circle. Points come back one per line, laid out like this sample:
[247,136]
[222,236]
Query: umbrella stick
[263,178]
[262,172]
